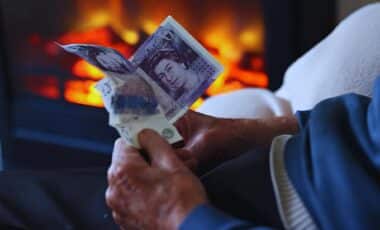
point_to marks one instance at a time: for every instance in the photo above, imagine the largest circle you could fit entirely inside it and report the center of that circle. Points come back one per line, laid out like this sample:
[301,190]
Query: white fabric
[346,61]
[246,103]
[293,212]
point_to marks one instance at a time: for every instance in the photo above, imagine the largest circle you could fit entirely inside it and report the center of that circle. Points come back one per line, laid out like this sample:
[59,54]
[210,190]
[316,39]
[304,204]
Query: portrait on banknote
[175,64]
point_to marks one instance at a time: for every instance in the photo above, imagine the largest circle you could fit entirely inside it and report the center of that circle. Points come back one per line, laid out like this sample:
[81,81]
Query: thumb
[184,154]
[159,150]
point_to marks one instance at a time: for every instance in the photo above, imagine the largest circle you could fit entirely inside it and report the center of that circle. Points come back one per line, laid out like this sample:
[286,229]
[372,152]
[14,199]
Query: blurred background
[51,115]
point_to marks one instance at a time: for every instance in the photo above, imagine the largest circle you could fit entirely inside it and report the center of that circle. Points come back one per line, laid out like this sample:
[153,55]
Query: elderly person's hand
[151,195]
[209,139]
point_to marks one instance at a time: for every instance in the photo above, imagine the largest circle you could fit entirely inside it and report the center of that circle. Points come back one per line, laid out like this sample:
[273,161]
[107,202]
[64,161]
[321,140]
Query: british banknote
[177,66]
[157,85]
[133,107]
[107,59]
[128,98]
[117,67]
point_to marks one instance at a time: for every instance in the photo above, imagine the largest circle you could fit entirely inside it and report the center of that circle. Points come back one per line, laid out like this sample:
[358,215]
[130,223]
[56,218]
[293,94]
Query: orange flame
[227,38]
[85,70]
[197,103]
[83,93]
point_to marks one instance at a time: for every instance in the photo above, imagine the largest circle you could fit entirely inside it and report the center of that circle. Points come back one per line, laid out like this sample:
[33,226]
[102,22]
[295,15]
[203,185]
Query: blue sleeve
[373,123]
[207,217]
[334,161]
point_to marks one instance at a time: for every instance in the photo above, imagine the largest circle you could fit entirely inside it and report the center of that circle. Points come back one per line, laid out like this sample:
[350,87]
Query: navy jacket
[334,164]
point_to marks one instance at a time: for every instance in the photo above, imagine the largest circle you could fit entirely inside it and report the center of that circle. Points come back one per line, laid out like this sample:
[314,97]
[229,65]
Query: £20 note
[177,67]
[168,72]
[128,98]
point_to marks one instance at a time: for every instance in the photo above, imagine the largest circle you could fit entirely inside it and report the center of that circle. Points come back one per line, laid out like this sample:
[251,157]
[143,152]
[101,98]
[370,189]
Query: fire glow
[239,50]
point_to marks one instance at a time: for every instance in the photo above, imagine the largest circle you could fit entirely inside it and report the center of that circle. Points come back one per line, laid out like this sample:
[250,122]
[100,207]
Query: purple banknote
[180,68]
[106,59]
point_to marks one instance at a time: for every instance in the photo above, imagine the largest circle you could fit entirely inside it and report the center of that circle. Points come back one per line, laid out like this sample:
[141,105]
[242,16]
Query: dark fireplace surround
[42,134]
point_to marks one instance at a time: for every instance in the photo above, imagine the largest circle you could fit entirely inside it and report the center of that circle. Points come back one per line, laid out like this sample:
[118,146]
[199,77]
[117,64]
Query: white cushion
[246,103]
[346,61]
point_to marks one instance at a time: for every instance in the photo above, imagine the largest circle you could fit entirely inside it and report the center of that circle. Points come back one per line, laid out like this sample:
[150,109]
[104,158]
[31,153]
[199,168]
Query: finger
[119,219]
[192,164]
[182,125]
[125,159]
[183,120]
[183,154]
[125,222]
[115,201]
[159,150]
[187,158]
[124,154]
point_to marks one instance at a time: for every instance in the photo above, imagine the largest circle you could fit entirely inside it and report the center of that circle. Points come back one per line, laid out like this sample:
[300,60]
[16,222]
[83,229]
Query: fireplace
[49,101]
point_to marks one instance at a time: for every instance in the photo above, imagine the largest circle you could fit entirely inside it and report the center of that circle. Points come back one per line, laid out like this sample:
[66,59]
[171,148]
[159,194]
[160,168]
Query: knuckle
[109,174]
[118,172]
[115,172]
[111,197]
[117,218]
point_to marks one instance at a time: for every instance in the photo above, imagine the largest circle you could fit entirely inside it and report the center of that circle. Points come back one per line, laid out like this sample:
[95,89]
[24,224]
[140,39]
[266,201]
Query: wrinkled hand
[155,195]
[207,139]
